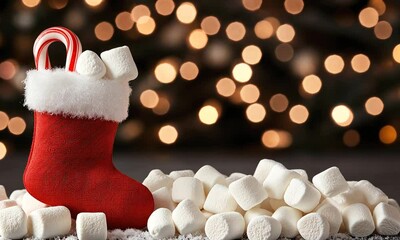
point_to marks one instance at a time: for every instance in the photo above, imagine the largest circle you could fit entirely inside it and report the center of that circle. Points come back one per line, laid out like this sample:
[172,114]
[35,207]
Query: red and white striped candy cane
[54,34]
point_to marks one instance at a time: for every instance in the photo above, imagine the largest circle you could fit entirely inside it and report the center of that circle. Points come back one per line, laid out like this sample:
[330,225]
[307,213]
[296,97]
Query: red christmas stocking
[70,164]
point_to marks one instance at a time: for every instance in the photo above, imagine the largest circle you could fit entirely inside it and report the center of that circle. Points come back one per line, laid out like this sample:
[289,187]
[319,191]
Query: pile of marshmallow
[273,202]
[21,215]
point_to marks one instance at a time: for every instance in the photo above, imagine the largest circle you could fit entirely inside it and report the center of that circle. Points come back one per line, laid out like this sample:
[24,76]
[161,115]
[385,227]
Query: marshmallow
[90,65]
[188,188]
[13,223]
[220,200]
[207,214]
[387,219]
[266,205]
[233,177]
[30,204]
[17,194]
[188,218]
[302,195]
[225,226]
[351,196]
[156,180]
[255,212]
[3,193]
[276,203]
[302,173]
[394,203]
[358,220]
[313,226]
[288,218]
[247,192]
[181,173]
[332,214]
[119,63]
[50,222]
[91,226]
[240,210]
[277,181]
[264,228]
[352,183]
[163,199]
[209,176]
[330,182]
[7,203]
[372,194]
[160,224]
[263,168]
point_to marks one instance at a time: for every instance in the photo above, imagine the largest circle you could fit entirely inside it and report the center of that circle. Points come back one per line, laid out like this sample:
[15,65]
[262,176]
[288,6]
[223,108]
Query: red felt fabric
[70,164]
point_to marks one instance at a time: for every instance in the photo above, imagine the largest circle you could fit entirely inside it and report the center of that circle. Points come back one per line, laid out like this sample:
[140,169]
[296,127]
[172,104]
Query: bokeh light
[165,7]
[165,71]
[208,115]
[351,138]
[368,17]
[388,134]
[198,39]
[186,13]
[294,6]
[226,87]
[383,30]
[149,98]
[252,5]
[249,93]
[58,4]
[242,72]
[342,115]
[276,139]
[334,64]
[123,21]
[130,130]
[263,29]
[104,31]
[32,3]
[189,71]
[374,106]
[298,114]
[162,107]
[3,151]
[360,63]
[210,25]
[279,102]
[311,84]
[93,3]
[16,125]
[396,53]
[251,54]
[140,11]
[168,134]
[284,52]
[285,33]
[146,25]
[256,112]
[236,31]
[8,69]
[3,120]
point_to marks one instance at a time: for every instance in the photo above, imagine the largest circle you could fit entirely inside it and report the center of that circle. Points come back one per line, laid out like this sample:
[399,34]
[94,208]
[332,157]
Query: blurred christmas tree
[226,74]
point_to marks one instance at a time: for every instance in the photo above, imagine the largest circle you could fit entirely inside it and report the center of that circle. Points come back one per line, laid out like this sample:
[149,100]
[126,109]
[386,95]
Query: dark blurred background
[263,78]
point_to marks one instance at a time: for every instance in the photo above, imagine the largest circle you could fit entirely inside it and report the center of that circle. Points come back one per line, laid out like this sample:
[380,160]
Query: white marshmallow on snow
[263,168]
[160,224]
[3,193]
[302,195]
[188,188]
[219,200]
[277,181]
[233,177]
[91,226]
[119,64]
[50,222]
[13,223]
[188,218]
[372,194]
[255,212]
[288,217]
[7,203]
[156,180]
[247,192]
[264,228]
[225,226]
[163,199]
[209,176]
[332,214]
[351,196]
[330,182]
[358,220]
[387,219]
[90,65]
[30,204]
[313,226]
[181,173]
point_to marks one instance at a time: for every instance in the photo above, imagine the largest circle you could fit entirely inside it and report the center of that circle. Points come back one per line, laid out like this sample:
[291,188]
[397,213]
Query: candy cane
[50,35]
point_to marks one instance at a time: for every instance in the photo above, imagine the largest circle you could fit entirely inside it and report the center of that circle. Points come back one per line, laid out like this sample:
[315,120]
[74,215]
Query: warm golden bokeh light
[342,115]
[168,134]
[374,106]
[396,53]
[334,64]
[256,112]
[294,6]
[8,69]
[165,7]
[284,52]
[285,33]
[360,63]
[16,125]
[186,12]
[311,84]
[149,98]
[252,5]
[189,71]
[208,115]
[379,6]
[165,72]
[33,3]
[388,134]
[383,30]
[123,21]
[279,102]
[251,54]
[235,31]
[368,17]
[162,107]
[93,3]
[146,25]
[276,139]
[210,25]
[104,31]
[226,87]
[140,11]
[3,120]
[263,29]
[351,138]
[298,114]
[249,93]
[58,4]
[3,150]
[242,72]
[198,39]
[130,130]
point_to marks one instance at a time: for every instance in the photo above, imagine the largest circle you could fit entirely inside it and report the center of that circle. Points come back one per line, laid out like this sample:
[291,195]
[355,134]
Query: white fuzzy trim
[60,92]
